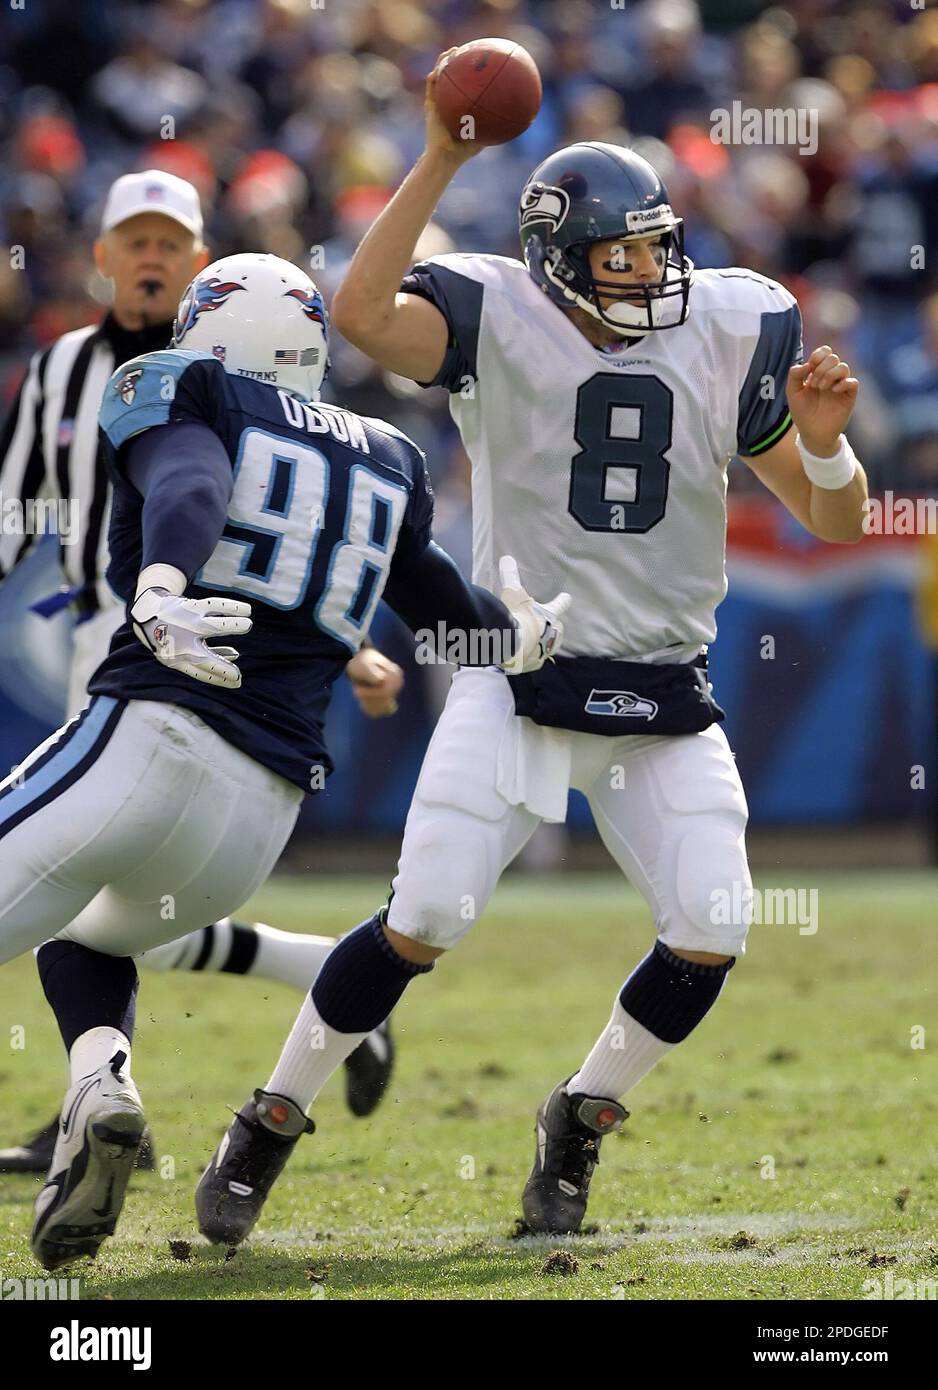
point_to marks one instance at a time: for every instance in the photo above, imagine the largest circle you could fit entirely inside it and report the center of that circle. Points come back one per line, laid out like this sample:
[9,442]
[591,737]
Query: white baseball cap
[153,190]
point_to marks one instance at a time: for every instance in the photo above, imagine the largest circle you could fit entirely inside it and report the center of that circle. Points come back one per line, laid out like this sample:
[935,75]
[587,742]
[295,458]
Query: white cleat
[100,1130]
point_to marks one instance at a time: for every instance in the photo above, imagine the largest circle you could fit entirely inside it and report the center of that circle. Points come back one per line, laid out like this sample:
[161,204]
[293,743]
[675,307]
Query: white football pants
[133,825]
[670,810]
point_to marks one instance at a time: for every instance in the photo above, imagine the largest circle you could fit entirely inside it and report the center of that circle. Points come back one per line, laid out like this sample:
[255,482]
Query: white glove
[539,626]
[175,630]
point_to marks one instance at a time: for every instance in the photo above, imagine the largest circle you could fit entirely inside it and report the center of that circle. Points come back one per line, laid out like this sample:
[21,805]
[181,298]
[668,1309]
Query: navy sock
[362,980]
[87,989]
[669,996]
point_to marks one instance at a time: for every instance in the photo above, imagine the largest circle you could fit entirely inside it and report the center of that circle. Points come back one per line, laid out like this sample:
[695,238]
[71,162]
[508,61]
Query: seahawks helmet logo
[622,704]
[541,202]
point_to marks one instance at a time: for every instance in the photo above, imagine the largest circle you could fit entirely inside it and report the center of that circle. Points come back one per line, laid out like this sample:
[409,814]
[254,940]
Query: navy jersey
[321,500]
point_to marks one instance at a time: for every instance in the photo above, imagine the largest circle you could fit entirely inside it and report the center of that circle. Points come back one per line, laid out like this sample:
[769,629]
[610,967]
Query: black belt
[597,695]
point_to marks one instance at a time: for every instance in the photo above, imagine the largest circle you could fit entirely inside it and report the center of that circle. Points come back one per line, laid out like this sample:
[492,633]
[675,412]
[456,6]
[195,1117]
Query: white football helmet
[262,318]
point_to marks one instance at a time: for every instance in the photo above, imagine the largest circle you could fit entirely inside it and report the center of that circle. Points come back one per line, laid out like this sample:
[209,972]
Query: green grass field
[805,1069]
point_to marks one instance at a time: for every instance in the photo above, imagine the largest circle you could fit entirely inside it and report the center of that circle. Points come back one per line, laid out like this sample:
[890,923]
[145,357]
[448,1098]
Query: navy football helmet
[595,192]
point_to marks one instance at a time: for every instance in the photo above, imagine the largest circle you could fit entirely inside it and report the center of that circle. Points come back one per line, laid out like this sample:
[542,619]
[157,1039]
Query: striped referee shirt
[49,449]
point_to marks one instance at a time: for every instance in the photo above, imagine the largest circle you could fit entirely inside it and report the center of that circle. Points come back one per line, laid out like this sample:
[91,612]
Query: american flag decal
[290,357]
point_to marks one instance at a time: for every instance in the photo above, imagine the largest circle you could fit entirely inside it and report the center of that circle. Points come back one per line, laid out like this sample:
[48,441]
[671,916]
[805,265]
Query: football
[488,91]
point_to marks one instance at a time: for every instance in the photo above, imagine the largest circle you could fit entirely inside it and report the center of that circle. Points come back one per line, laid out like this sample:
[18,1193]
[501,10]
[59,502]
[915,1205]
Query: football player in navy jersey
[244,510]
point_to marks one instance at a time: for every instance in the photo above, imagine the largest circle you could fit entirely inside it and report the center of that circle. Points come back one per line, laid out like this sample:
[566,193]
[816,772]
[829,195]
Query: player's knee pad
[711,908]
[447,872]
[450,863]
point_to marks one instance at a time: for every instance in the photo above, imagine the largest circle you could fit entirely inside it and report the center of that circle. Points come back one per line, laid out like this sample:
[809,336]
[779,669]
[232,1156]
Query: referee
[150,247]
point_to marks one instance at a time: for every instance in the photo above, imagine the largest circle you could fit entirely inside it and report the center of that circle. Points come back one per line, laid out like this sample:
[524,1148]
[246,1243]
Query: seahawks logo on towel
[621,704]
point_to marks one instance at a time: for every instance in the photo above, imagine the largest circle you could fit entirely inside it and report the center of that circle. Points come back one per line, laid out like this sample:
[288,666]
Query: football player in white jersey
[601,387]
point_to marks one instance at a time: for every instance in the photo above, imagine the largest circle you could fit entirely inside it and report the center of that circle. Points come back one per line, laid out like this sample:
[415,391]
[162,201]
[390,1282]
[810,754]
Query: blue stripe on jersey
[62,766]
[762,405]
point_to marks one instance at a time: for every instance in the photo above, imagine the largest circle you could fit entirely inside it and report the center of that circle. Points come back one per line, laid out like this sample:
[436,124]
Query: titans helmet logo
[312,304]
[201,297]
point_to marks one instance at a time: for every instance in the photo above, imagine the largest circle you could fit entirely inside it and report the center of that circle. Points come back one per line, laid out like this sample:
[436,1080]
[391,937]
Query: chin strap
[579,302]
[626,330]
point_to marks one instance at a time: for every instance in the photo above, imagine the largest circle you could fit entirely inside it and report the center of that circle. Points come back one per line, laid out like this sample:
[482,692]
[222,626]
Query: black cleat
[35,1155]
[368,1070]
[246,1164]
[569,1132]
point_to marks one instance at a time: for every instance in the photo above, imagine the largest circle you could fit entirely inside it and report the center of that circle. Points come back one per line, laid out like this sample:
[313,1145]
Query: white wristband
[161,577]
[829,473]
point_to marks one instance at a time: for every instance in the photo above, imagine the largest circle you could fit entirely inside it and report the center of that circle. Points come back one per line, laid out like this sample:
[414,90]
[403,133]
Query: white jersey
[604,473]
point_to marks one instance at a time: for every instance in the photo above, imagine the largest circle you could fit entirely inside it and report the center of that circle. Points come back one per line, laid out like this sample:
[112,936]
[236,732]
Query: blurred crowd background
[296,120]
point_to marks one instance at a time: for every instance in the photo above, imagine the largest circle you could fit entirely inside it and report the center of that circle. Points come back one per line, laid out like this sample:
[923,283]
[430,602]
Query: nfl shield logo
[219,351]
[66,433]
